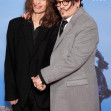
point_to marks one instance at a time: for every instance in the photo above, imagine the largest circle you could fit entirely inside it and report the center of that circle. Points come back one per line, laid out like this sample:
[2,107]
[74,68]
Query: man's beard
[65,17]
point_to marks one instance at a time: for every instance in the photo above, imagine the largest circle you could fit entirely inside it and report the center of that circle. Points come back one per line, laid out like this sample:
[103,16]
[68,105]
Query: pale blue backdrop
[100,10]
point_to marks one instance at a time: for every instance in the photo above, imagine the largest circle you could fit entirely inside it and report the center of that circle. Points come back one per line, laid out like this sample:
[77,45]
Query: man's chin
[64,17]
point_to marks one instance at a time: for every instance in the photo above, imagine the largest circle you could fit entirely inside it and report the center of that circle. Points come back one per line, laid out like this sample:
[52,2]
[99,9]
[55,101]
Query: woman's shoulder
[16,20]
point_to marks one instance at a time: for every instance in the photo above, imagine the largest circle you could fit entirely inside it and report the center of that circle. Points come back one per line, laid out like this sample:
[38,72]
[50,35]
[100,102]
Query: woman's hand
[38,83]
[14,102]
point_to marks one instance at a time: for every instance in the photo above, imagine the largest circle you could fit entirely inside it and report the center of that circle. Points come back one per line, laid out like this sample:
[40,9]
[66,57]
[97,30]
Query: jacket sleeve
[9,76]
[83,46]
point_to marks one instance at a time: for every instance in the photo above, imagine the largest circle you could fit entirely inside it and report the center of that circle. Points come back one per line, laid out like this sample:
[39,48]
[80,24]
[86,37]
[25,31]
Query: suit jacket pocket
[77,82]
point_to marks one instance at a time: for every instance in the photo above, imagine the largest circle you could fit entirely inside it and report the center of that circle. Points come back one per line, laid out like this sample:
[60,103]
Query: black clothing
[30,104]
[24,60]
[35,34]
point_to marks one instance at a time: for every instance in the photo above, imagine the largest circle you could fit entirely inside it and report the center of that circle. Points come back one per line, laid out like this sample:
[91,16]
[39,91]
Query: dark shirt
[35,32]
[34,38]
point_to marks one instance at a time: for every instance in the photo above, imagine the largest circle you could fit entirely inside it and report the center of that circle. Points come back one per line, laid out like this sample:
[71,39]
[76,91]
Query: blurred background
[100,10]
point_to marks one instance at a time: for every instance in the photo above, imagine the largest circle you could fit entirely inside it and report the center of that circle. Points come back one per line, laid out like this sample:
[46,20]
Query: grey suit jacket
[72,72]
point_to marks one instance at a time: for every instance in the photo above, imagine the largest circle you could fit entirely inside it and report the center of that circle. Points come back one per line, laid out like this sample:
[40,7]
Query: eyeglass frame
[62,3]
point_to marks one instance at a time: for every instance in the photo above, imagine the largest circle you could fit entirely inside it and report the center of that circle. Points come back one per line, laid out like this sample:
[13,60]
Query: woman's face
[39,6]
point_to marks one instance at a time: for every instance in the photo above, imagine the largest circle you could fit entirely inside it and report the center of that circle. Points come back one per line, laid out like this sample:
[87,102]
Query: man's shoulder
[89,17]
[85,20]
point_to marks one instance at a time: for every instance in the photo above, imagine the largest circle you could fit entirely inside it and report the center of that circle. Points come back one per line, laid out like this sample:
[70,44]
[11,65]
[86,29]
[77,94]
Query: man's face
[66,9]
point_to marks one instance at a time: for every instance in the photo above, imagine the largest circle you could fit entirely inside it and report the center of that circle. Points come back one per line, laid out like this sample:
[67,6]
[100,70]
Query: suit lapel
[68,27]
[27,30]
[65,32]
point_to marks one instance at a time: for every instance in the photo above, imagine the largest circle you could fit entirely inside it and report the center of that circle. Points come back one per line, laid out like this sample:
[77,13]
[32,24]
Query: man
[71,73]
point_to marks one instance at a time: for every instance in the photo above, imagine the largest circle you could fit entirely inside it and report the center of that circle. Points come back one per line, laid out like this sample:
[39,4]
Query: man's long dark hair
[81,4]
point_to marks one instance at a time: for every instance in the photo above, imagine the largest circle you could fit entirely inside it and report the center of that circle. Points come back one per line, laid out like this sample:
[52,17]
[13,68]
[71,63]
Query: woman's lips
[37,6]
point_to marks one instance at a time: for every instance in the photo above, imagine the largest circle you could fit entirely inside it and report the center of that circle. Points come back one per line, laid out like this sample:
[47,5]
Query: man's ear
[78,4]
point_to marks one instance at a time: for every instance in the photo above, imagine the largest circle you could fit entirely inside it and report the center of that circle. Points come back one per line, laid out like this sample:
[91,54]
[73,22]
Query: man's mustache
[62,9]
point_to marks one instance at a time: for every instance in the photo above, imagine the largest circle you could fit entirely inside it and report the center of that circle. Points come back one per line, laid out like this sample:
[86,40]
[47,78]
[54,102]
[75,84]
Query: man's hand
[14,102]
[26,15]
[38,83]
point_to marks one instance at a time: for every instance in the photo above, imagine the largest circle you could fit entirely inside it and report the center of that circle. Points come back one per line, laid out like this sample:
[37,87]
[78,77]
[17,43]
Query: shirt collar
[68,19]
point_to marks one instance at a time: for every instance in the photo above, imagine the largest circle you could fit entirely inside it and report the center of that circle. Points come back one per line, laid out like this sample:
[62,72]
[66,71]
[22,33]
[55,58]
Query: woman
[29,46]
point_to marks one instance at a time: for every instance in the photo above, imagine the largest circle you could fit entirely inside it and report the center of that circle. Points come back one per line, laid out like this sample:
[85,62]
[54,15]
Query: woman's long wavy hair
[50,18]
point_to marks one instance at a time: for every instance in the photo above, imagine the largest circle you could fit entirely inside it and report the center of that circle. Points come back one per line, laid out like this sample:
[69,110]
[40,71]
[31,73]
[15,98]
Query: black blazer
[24,59]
